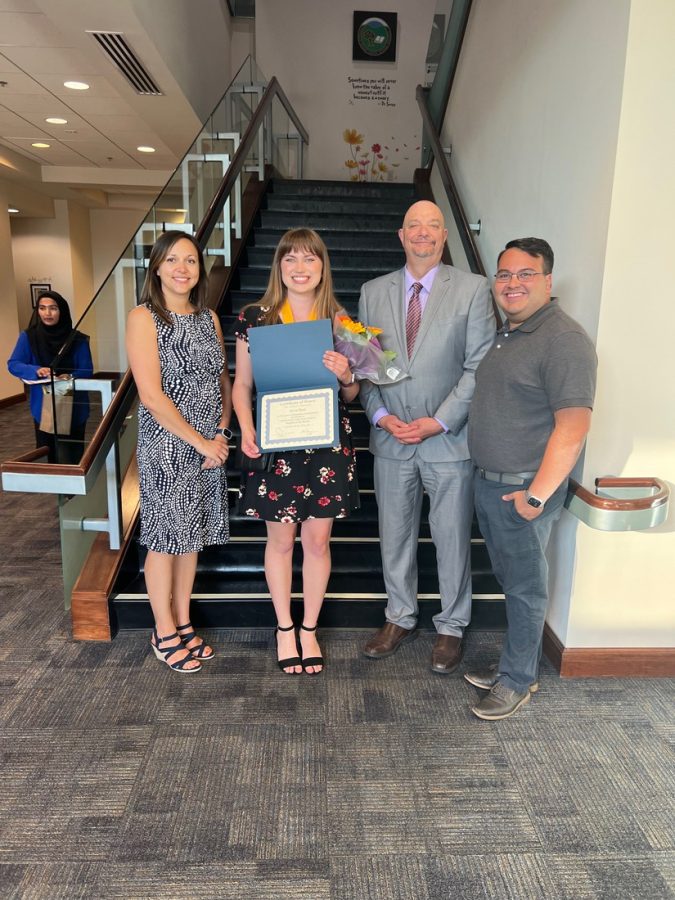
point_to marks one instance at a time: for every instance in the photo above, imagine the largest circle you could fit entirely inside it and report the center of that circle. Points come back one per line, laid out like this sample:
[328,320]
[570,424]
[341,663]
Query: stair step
[269,236]
[343,189]
[247,611]
[353,206]
[327,222]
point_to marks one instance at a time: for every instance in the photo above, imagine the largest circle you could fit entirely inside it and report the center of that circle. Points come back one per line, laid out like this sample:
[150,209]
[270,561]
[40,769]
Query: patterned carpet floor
[372,781]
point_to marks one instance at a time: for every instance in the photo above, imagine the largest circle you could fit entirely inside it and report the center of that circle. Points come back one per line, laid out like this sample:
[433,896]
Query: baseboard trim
[609,662]
[12,401]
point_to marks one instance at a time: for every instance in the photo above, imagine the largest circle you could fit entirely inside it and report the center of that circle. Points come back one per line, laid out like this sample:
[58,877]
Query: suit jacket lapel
[436,298]
[397,311]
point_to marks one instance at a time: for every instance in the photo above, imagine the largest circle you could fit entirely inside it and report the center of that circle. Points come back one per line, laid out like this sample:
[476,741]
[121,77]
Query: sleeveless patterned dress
[183,507]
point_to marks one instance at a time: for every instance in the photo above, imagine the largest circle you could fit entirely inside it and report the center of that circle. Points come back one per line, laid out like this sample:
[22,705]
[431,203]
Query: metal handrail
[25,465]
[212,214]
[622,513]
[465,233]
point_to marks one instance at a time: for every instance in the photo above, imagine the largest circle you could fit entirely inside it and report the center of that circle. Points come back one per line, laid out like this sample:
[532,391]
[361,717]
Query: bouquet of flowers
[367,359]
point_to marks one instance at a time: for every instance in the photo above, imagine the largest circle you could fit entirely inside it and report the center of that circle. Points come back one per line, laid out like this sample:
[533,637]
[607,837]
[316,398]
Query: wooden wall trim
[609,662]
[12,401]
[90,612]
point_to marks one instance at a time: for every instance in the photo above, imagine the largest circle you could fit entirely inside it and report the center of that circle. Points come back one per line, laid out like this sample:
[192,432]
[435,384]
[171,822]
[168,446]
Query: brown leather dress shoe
[387,640]
[447,654]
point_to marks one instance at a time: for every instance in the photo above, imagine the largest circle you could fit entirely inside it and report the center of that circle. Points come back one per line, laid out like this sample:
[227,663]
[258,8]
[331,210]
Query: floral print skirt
[304,484]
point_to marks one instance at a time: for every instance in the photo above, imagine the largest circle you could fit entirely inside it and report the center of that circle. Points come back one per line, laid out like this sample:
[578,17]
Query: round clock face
[374,36]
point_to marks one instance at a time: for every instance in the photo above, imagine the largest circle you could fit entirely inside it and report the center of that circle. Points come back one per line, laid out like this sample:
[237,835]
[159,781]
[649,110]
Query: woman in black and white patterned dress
[176,354]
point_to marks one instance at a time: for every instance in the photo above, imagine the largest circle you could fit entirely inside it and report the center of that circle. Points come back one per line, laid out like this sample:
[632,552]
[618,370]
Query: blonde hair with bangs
[307,241]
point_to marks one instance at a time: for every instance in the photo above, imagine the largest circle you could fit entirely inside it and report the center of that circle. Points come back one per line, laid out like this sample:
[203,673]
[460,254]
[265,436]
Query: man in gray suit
[440,323]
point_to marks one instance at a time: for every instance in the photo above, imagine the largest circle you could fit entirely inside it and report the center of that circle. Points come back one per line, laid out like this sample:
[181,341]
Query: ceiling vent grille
[120,53]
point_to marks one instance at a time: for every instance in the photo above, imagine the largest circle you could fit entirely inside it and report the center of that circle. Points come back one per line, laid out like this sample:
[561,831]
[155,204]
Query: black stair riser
[487,615]
[347,206]
[326,223]
[343,189]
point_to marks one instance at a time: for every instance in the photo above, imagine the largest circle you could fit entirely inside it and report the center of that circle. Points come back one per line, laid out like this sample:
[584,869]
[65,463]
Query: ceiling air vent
[116,48]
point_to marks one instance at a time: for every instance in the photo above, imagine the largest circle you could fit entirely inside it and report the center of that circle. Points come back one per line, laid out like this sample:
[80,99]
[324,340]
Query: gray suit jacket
[457,328]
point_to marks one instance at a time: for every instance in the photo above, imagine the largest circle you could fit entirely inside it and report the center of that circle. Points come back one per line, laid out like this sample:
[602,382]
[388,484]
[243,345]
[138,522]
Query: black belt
[506,477]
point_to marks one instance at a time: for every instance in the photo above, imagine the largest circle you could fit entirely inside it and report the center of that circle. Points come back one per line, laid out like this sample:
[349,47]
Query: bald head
[423,237]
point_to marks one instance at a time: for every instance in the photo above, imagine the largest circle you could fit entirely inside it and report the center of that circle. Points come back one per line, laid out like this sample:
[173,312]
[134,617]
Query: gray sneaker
[486,679]
[500,703]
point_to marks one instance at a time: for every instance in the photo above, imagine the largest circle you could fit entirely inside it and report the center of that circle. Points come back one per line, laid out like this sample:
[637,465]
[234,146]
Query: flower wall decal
[368,164]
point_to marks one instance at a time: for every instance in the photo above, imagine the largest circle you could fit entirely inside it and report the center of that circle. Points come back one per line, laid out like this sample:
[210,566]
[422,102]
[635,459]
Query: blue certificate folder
[297,395]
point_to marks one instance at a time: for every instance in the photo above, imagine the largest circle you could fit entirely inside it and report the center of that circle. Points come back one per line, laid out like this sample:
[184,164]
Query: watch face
[533,501]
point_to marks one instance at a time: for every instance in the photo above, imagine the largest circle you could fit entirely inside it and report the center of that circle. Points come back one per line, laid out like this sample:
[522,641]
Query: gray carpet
[372,781]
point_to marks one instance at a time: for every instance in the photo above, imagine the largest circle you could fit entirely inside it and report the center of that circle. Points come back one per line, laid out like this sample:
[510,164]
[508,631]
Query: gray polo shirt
[547,363]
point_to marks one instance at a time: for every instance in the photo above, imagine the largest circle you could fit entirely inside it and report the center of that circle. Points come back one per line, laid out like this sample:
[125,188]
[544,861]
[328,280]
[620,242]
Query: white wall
[548,141]
[313,61]
[624,584]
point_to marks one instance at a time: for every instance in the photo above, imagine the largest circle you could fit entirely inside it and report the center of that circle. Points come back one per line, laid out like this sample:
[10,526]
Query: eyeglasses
[524,276]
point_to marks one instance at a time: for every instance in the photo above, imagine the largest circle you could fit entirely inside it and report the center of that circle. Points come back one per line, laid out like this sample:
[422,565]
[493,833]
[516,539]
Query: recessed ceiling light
[146,149]
[57,121]
[76,85]
[41,145]
[12,209]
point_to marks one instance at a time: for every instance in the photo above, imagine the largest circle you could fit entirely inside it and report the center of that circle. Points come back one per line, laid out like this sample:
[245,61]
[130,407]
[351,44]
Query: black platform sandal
[293,660]
[198,652]
[165,655]
[312,660]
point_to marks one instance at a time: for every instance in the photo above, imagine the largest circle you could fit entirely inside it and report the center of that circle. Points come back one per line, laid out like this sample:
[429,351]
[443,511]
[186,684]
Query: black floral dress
[319,483]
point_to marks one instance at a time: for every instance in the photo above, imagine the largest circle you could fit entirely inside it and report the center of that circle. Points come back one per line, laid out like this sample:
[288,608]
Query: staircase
[359,224]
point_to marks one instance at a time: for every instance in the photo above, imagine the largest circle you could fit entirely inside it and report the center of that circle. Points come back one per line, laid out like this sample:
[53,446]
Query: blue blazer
[24,364]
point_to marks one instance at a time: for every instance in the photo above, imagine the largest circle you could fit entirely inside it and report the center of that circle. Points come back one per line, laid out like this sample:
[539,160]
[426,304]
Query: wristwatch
[353,379]
[226,433]
[533,501]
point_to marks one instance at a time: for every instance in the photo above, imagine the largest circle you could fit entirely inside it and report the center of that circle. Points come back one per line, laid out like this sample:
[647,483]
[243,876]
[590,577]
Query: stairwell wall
[307,44]
[553,137]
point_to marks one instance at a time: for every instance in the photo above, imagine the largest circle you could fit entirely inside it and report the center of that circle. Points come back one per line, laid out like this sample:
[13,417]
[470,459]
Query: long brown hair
[307,240]
[152,294]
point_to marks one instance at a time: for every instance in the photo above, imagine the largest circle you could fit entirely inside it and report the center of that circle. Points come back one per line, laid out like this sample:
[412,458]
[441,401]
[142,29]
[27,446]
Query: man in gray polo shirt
[528,421]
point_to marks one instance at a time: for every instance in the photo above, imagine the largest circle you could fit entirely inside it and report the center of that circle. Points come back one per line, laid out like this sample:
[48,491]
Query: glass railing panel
[75,511]
[279,139]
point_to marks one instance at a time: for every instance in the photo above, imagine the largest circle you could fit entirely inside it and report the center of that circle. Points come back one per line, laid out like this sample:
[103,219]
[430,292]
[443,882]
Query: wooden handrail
[628,504]
[272,90]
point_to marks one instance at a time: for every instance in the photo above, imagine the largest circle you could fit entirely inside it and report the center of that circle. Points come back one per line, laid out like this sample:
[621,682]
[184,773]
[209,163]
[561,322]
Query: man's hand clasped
[410,432]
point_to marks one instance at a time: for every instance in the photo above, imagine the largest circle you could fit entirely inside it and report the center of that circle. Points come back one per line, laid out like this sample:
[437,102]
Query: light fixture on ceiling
[12,209]
[56,121]
[41,145]
[76,85]
[146,149]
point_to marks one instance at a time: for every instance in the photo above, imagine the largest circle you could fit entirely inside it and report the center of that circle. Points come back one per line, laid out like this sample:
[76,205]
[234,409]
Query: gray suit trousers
[399,485]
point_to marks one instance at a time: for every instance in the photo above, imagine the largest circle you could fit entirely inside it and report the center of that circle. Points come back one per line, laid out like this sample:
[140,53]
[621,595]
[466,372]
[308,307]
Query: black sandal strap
[305,628]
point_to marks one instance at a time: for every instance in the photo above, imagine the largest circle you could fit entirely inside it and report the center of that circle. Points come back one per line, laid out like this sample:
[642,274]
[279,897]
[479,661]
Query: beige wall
[624,584]
[549,141]
[9,324]
[313,62]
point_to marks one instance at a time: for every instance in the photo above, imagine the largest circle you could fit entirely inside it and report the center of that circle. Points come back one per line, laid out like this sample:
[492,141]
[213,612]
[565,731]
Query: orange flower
[351,136]
[373,331]
[351,164]
[351,325]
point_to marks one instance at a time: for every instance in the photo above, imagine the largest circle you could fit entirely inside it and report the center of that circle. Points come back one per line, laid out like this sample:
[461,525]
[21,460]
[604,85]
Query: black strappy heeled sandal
[312,660]
[293,660]
[198,652]
[165,655]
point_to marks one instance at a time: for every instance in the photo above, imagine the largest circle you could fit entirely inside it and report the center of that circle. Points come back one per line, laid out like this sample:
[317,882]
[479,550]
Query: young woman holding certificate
[312,486]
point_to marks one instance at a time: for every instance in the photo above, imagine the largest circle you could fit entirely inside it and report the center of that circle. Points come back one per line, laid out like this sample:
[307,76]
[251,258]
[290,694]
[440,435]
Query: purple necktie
[414,317]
